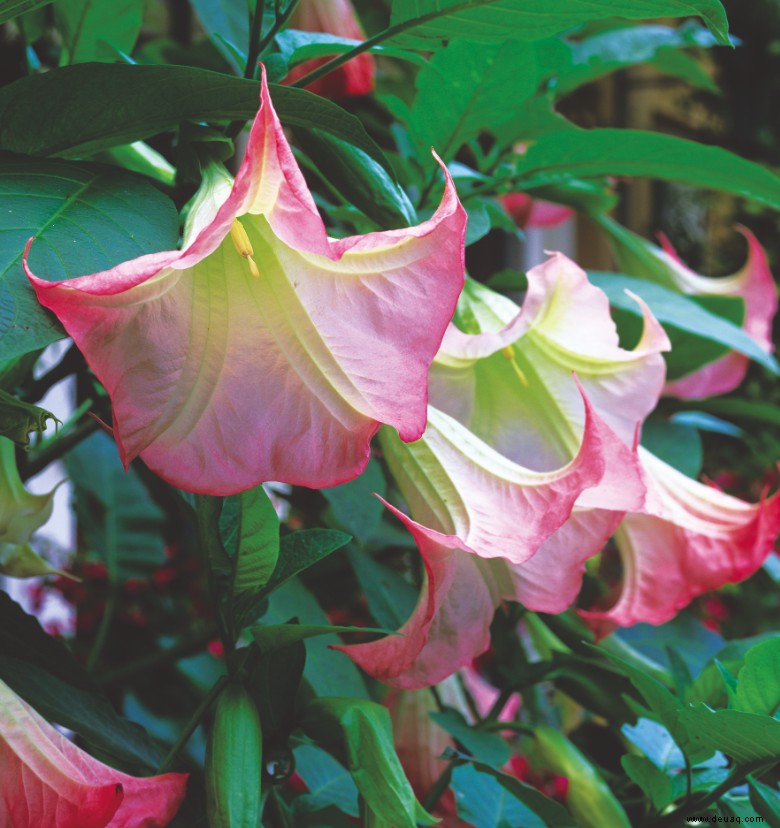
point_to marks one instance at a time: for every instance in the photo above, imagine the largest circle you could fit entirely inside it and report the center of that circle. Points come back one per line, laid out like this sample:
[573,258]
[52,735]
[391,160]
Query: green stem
[59,446]
[439,787]
[279,22]
[105,624]
[253,49]
[385,34]
[194,721]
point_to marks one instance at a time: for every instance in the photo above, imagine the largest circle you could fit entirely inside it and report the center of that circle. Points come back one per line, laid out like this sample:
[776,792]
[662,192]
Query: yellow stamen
[508,353]
[244,246]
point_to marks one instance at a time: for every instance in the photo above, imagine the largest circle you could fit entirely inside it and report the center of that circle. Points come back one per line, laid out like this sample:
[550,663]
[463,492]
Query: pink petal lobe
[690,539]
[220,380]
[754,284]
[448,628]
[47,781]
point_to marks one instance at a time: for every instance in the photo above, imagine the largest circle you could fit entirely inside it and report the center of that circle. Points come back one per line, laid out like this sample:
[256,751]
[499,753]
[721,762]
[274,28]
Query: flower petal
[448,628]
[220,380]
[564,325]
[458,485]
[691,539]
[754,284]
[47,781]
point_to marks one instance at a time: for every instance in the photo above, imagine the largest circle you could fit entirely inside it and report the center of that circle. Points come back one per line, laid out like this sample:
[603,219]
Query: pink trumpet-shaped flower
[522,480]
[47,782]
[688,539]
[265,350]
[336,17]
[754,284]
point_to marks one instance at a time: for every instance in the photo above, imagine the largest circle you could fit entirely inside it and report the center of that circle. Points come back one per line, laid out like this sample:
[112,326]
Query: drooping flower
[753,283]
[265,350]
[336,17]
[521,480]
[688,539]
[48,781]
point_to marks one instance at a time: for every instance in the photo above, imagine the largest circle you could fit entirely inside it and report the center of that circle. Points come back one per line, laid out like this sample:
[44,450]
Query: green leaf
[484,802]
[276,636]
[75,110]
[487,747]
[596,56]
[97,29]
[655,741]
[678,445]
[226,22]
[590,799]
[327,780]
[766,801]
[353,505]
[361,732]
[664,705]
[118,520]
[362,181]
[551,813]
[595,152]
[13,8]
[758,688]
[22,638]
[424,21]
[656,785]
[747,409]
[682,313]
[300,550]
[390,597]
[250,534]
[89,714]
[85,218]
[748,738]
[464,89]
[328,672]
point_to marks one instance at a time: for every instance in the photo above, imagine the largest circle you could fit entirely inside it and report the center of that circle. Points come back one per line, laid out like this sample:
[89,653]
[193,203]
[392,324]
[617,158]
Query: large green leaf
[595,152]
[615,49]
[90,714]
[422,22]
[748,738]
[485,803]
[655,784]
[84,218]
[13,8]
[352,504]
[77,110]
[300,550]
[758,690]
[360,732]
[359,178]
[117,518]
[681,312]
[97,29]
[250,534]
[465,89]
[551,814]
[327,780]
